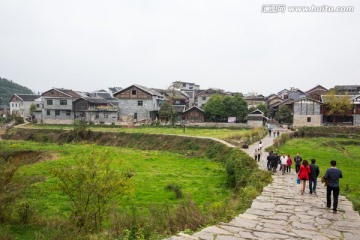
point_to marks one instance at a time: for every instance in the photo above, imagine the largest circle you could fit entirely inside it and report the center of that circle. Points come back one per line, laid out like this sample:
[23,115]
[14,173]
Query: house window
[135,116]
[68,113]
[96,116]
[184,84]
[49,102]
[57,112]
[203,98]
[133,92]
[106,115]
[37,105]
[308,119]
[63,102]
[140,103]
[48,112]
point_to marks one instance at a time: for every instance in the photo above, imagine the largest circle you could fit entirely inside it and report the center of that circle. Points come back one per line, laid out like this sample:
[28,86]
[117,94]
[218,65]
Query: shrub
[90,185]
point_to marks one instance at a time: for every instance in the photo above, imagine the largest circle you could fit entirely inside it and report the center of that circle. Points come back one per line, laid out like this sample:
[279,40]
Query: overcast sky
[88,45]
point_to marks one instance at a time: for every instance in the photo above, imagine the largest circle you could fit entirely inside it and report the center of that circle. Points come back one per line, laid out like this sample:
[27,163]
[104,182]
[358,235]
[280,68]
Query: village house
[58,106]
[203,97]
[20,104]
[307,112]
[253,100]
[316,92]
[176,96]
[95,110]
[347,89]
[193,115]
[256,118]
[139,103]
[292,93]
[352,117]
[191,89]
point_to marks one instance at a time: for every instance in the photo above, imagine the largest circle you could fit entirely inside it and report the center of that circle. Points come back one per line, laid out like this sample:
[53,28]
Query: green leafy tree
[220,107]
[91,185]
[167,111]
[284,115]
[32,108]
[338,105]
[215,108]
[238,107]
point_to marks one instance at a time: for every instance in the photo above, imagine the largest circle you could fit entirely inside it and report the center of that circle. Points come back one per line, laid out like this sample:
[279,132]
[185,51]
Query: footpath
[281,212]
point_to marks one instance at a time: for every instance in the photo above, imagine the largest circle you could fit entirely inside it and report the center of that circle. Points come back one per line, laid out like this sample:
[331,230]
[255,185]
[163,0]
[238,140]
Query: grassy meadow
[153,171]
[200,179]
[345,151]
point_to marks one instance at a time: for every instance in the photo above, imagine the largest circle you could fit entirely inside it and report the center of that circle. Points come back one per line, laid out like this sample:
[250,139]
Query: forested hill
[8,88]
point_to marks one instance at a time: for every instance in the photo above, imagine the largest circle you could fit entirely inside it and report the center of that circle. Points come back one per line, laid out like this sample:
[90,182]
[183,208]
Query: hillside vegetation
[8,88]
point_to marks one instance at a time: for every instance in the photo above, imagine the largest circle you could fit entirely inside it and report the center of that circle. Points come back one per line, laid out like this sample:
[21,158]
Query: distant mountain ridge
[8,88]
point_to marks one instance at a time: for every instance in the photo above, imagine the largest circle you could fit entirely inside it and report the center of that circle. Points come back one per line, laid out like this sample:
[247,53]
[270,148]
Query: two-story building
[307,112]
[254,100]
[20,104]
[139,103]
[95,109]
[191,89]
[58,106]
[203,97]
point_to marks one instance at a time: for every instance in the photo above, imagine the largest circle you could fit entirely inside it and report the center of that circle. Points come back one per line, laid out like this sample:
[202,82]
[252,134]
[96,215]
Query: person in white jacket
[283,160]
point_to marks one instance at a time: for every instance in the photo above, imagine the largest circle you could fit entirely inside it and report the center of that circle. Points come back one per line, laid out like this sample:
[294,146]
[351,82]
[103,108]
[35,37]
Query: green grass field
[221,133]
[346,152]
[201,179]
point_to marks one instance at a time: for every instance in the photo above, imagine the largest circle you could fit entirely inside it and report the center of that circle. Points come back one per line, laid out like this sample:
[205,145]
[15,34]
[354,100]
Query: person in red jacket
[304,175]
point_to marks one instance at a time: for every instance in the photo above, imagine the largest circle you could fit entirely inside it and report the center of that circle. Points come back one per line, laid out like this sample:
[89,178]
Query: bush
[91,184]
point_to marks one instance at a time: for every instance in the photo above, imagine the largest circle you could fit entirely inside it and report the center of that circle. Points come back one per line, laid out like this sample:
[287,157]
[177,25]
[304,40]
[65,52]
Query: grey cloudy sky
[88,45]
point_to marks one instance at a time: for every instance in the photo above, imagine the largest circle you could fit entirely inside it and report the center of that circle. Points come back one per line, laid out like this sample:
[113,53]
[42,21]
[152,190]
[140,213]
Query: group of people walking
[276,133]
[308,173]
[284,162]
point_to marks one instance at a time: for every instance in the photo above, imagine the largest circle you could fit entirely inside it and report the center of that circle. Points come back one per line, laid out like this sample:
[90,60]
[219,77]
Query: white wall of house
[22,108]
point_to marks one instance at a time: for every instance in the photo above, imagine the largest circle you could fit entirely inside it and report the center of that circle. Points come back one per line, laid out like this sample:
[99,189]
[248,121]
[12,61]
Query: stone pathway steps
[281,212]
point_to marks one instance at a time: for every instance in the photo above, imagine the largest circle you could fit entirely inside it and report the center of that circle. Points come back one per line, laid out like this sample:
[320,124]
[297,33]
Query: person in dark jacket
[314,173]
[274,162]
[333,175]
[297,160]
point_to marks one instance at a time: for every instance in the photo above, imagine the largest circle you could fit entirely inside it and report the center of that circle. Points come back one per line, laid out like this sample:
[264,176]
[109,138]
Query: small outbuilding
[256,118]
[194,114]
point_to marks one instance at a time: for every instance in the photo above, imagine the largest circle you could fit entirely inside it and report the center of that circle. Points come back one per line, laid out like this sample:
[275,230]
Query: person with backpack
[297,160]
[314,173]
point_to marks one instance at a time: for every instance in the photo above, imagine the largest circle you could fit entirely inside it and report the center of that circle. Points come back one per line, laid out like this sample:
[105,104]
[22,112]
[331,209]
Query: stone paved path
[281,212]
